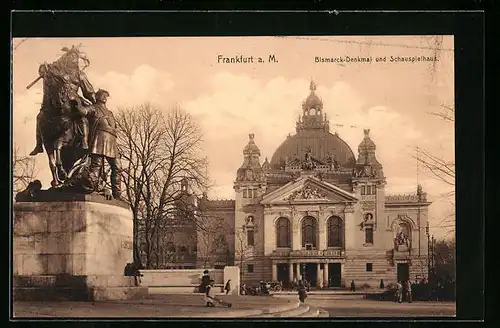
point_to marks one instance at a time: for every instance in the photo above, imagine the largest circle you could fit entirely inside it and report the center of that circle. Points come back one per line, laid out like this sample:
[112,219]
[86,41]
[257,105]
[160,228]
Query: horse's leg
[53,169]
[58,161]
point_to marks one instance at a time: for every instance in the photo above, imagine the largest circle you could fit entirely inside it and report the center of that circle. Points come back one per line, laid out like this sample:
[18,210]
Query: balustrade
[309,253]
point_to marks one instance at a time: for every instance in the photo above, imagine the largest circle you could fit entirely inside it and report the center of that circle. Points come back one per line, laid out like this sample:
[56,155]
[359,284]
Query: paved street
[155,306]
[338,306]
[158,306]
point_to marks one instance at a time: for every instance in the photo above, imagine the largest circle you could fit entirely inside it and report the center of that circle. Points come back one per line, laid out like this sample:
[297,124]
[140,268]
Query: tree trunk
[136,251]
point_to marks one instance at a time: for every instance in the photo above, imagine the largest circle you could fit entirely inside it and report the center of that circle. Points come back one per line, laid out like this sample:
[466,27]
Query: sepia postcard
[236,177]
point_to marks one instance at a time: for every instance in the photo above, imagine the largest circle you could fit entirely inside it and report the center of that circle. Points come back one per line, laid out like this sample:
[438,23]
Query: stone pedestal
[72,247]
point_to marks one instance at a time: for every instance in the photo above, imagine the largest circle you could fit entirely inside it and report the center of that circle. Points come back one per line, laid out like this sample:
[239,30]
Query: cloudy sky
[230,101]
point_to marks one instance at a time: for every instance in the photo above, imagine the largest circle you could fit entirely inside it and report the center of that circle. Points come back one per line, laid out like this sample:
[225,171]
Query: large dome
[313,136]
[321,144]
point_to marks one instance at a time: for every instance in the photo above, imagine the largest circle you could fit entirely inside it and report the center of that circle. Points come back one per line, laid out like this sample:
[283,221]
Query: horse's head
[73,57]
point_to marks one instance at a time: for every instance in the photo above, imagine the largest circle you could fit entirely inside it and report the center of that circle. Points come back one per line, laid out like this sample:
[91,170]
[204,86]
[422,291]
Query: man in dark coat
[205,281]
[302,292]
[228,286]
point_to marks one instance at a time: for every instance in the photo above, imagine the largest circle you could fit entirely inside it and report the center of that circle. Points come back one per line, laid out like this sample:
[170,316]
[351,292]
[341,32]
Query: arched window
[283,233]
[335,232]
[309,229]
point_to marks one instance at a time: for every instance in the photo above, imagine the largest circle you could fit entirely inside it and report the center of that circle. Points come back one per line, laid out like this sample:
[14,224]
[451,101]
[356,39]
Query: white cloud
[145,84]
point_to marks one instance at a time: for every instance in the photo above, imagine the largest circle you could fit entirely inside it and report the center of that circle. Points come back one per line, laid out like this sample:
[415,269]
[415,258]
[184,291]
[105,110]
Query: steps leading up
[301,310]
[312,313]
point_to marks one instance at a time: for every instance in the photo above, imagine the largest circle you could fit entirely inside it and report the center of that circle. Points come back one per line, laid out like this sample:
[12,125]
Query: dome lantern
[312,112]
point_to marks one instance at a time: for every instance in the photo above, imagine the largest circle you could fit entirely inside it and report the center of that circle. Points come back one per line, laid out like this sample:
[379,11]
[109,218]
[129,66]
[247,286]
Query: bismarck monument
[74,240]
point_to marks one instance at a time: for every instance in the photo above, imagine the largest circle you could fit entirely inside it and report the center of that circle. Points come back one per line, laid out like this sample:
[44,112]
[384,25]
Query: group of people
[403,291]
[435,289]
[207,287]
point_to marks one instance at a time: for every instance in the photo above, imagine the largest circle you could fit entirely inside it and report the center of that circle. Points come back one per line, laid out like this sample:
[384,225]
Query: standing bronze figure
[103,144]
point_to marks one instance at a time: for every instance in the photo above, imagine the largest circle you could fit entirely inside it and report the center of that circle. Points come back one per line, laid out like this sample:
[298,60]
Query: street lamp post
[433,257]
[428,250]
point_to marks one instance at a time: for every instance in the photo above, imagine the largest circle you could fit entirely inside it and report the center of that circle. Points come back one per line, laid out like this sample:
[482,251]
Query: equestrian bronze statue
[64,131]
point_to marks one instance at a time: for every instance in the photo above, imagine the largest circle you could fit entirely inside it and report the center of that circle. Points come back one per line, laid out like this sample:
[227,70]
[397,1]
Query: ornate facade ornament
[308,163]
[368,220]
[368,205]
[401,241]
[306,193]
[366,171]
[349,209]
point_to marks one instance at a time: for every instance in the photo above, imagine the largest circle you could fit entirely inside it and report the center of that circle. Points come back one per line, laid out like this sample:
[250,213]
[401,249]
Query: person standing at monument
[302,292]
[228,286]
[353,286]
[205,281]
[398,297]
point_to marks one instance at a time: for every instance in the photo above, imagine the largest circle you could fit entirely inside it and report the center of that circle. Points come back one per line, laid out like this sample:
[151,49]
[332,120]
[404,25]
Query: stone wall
[183,277]
[187,281]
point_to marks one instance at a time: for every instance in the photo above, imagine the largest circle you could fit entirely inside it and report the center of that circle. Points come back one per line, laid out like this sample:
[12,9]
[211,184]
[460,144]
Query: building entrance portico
[318,272]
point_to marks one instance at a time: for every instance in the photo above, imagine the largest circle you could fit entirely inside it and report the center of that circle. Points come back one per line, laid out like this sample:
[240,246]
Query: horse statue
[61,129]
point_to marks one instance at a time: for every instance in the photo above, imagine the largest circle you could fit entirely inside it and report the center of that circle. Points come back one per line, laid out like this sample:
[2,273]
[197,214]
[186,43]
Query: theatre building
[318,211]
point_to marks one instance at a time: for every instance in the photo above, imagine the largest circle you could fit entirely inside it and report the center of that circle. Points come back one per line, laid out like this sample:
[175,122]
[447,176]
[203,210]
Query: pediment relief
[307,192]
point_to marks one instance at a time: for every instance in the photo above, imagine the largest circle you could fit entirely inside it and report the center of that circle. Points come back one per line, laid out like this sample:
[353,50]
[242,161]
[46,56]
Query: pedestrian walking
[353,286]
[399,293]
[302,292]
[408,291]
[227,288]
[382,286]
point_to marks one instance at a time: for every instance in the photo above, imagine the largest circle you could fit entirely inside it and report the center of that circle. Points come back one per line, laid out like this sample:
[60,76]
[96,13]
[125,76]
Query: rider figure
[67,68]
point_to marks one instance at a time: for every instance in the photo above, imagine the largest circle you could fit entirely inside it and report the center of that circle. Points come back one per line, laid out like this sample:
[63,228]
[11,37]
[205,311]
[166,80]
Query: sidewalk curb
[255,313]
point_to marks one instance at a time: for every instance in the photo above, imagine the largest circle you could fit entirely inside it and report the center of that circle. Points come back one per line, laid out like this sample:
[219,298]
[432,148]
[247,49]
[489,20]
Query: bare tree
[157,152]
[245,248]
[213,233]
[24,170]
[441,168]
[444,259]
